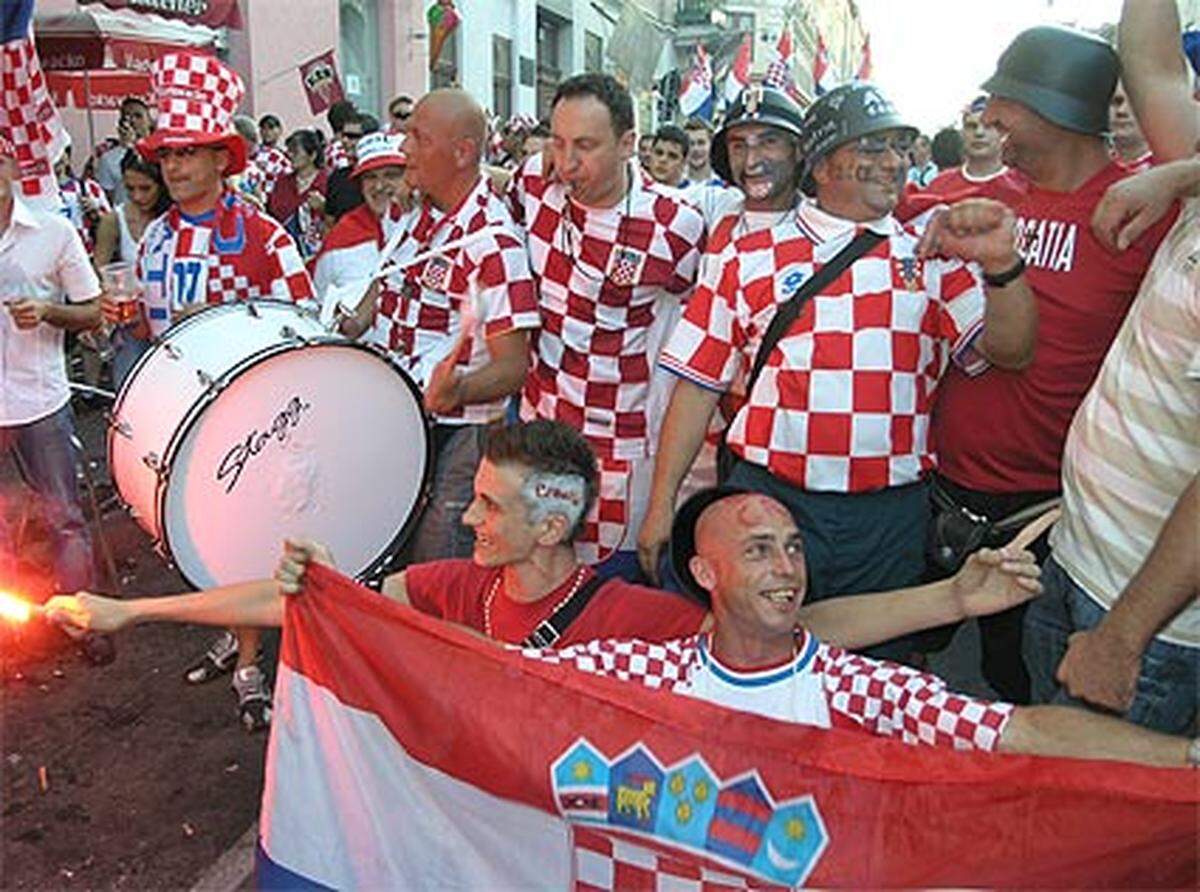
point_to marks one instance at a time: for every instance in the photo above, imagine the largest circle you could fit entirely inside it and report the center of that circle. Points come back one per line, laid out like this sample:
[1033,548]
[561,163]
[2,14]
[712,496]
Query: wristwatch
[999,280]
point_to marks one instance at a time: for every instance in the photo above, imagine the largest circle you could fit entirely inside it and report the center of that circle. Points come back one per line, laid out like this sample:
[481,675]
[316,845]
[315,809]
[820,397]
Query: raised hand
[297,555]
[992,580]
[1132,205]
[977,229]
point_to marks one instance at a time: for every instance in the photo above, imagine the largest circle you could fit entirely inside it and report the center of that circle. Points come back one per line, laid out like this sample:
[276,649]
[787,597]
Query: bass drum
[249,423]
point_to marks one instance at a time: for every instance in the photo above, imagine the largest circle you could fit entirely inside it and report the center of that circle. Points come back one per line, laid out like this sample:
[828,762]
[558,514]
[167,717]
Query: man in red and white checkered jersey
[459,319]
[210,247]
[745,550]
[615,255]
[836,424]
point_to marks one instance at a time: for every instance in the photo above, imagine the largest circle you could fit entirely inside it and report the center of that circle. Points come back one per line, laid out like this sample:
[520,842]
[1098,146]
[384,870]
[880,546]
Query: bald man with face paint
[745,550]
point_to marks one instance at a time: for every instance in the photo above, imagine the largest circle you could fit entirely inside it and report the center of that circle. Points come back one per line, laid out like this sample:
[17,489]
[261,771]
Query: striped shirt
[1134,444]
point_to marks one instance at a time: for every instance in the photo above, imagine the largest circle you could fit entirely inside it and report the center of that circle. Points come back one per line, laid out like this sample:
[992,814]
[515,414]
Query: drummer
[210,247]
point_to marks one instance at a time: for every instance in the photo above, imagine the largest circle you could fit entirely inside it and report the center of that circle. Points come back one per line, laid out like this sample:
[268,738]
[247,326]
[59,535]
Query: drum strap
[552,627]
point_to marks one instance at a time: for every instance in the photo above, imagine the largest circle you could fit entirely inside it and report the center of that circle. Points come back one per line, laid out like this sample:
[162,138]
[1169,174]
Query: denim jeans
[45,457]
[1167,692]
[441,533]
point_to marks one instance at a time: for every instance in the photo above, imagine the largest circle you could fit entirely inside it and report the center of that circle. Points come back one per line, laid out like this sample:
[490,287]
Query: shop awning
[210,13]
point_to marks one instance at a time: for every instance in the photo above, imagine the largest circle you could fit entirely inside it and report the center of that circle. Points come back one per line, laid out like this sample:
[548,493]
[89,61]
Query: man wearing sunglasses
[400,110]
[835,424]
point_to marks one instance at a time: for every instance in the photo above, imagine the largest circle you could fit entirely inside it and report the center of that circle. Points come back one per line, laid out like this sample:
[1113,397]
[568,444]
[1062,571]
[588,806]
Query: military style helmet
[843,114]
[756,104]
[1066,76]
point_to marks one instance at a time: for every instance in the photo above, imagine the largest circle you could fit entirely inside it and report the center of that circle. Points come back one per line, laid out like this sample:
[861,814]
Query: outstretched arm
[257,603]
[1078,734]
[991,580]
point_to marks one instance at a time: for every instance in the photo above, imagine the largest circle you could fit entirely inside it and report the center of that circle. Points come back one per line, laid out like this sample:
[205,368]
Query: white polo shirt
[41,257]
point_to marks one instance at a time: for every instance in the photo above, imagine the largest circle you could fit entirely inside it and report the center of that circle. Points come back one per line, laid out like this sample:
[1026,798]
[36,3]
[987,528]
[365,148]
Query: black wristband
[999,280]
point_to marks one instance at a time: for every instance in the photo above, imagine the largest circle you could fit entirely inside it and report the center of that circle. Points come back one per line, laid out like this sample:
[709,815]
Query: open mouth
[781,597]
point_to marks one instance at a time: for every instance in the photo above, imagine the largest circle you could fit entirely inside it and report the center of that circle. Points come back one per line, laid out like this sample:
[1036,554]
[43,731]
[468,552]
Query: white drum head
[324,442]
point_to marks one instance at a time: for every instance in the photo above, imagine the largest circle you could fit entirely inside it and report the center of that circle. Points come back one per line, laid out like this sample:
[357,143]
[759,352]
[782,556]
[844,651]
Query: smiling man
[835,426]
[745,550]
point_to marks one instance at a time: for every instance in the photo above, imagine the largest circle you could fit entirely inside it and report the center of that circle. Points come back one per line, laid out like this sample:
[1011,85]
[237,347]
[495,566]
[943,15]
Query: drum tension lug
[124,428]
[153,462]
[252,309]
[206,380]
[172,351]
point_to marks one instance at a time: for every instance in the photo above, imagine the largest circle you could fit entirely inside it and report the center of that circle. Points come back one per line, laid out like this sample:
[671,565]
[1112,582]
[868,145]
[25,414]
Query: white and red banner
[322,86]
[406,754]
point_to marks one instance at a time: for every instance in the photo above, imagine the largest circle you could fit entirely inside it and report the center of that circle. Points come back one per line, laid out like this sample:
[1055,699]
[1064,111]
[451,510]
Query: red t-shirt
[1004,431]
[455,590]
[1006,185]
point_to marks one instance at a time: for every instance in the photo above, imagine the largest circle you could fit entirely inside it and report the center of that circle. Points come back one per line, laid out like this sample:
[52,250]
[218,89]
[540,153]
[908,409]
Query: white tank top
[128,244]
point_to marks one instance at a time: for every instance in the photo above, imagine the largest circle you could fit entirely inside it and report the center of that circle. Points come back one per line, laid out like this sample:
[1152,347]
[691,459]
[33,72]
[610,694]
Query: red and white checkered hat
[197,96]
[378,150]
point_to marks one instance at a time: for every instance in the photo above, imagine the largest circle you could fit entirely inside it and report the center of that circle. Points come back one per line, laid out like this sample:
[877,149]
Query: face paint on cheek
[768,176]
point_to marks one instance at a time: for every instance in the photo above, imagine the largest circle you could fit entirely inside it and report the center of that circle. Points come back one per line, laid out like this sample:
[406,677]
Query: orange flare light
[14,609]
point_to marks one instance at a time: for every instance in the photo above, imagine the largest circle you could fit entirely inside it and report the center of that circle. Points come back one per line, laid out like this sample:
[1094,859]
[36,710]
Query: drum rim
[196,410]
[138,366]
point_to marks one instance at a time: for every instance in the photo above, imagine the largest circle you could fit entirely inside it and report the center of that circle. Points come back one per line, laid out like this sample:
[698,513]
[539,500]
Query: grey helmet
[843,114]
[756,104]
[1065,76]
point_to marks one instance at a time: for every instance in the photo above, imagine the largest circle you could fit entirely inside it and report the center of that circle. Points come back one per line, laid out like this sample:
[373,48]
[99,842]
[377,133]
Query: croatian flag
[27,115]
[780,73]
[738,77]
[864,66]
[406,754]
[696,91]
[822,75]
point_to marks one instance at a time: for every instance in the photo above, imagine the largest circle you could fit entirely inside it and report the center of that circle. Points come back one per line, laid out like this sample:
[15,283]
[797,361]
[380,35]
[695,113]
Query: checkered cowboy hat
[196,96]
[378,150]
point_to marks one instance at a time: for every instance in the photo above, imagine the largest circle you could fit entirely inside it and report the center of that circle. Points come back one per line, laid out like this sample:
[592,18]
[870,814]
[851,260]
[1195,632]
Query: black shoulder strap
[790,311]
[552,627]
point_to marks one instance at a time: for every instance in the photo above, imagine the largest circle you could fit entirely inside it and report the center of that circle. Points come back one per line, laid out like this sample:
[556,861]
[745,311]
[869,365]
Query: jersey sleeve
[705,346]
[958,291]
[659,666]
[501,284]
[291,280]
[897,701]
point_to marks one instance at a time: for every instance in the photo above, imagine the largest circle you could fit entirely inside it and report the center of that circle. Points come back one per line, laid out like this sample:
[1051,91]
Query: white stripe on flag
[346,806]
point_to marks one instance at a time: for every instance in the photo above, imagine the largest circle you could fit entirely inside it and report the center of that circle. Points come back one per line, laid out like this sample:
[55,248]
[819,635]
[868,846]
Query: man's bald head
[455,114]
[744,511]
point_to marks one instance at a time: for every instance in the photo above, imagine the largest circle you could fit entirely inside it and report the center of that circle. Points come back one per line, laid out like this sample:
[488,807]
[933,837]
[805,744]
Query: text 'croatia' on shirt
[611,282]
[234,252]
[843,401]
[459,299]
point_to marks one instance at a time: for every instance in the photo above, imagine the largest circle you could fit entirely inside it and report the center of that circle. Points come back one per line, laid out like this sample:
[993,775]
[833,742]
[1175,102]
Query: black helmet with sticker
[756,104]
[843,114]
[1064,75]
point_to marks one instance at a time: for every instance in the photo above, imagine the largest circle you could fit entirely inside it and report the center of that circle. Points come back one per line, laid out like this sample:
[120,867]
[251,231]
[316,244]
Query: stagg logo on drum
[254,442]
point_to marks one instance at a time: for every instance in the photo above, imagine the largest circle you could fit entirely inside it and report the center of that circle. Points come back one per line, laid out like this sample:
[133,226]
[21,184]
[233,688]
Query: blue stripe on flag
[14,23]
[269,875]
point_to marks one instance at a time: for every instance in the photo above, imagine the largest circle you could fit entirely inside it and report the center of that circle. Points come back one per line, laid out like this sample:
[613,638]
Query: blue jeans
[441,533]
[1168,686]
[45,457]
[127,350]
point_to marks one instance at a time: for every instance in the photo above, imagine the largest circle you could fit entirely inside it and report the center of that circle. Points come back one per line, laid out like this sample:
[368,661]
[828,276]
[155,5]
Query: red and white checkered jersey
[821,685]
[232,253]
[336,155]
[610,281]
[274,163]
[460,299]
[843,402]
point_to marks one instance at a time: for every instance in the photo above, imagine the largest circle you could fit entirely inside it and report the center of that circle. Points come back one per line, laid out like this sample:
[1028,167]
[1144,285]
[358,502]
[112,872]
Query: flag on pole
[780,73]
[864,66]
[406,754]
[696,90]
[443,18]
[28,117]
[738,77]
[822,75]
